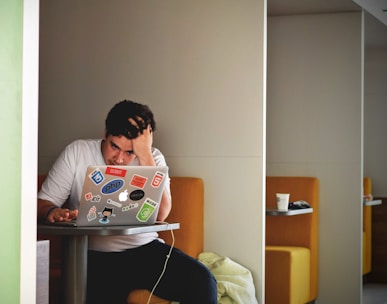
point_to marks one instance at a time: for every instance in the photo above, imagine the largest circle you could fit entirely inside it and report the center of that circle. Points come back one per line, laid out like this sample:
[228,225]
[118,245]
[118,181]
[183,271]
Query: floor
[374,293]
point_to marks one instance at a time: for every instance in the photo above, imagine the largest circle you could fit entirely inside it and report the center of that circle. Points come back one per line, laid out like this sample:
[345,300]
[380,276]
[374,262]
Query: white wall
[200,66]
[314,129]
[375,106]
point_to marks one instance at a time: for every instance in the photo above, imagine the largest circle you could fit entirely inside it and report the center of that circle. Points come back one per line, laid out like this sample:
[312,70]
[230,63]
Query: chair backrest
[367,185]
[188,210]
[299,230]
[367,210]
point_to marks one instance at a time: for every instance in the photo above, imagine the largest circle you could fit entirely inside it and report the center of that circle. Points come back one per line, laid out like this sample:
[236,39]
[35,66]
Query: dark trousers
[112,275]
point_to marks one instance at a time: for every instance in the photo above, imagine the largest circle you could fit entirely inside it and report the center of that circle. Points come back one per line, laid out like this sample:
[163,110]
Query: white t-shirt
[64,184]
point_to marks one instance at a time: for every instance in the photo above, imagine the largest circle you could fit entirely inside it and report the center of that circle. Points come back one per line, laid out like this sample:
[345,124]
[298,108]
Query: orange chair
[367,228]
[187,209]
[291,275]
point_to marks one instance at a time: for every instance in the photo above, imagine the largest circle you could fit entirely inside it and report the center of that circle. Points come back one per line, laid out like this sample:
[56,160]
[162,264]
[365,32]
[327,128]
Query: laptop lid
[121,195]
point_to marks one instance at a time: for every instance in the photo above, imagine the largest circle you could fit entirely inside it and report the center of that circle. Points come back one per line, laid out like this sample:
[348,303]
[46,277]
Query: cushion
[141,296]
[293,263]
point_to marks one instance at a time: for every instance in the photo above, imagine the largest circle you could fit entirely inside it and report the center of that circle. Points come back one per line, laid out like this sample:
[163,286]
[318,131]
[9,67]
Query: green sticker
[147,209]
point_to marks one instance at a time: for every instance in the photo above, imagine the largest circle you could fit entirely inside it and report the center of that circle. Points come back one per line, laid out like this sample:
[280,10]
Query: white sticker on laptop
[92,214]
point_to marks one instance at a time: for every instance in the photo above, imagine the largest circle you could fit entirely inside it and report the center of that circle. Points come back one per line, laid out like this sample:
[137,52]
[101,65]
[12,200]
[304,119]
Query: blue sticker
[112,186]
[96,176]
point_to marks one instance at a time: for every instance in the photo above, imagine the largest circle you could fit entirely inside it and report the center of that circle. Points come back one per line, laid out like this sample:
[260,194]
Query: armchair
[292,243]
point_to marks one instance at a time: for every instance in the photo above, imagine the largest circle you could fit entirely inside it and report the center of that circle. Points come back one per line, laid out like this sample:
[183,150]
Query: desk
[290,212]
[75,252]
[372,203]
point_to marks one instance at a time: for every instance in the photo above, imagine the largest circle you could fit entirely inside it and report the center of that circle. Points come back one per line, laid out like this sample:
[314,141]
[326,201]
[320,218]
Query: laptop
[120,195]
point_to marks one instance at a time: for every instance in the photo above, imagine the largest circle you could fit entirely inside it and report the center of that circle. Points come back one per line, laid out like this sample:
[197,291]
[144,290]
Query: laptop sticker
[92,214]
[88,196]
[92,198]
[130,207]
[106,213]
[112,186]
[116,171]
[95,199]
[146,210]
[136,195]
[138,181]
[157,179]
[111,202]
[96,176]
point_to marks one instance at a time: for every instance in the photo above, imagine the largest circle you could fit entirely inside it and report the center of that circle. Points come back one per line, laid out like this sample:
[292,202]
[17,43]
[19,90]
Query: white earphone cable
[165,263]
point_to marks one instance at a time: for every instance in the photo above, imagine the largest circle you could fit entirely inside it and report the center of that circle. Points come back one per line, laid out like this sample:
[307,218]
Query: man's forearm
[43,208]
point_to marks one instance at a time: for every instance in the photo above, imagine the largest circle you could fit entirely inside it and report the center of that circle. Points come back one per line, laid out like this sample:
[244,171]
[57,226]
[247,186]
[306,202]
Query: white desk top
[109,230]
[275,212]
[372,203]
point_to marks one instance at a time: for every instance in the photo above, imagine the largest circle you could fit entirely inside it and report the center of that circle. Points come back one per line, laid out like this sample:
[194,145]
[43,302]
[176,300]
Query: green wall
[11,16]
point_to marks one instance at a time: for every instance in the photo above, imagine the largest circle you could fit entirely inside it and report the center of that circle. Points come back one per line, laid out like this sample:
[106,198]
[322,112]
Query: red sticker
[115,171]
[88,196]
[157,179]
[138,181]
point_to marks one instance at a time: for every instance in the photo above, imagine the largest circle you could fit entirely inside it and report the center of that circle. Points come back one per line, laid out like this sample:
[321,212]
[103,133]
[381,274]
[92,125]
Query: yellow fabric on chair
[288,264]
[367,228]
[366,268]
[187,209]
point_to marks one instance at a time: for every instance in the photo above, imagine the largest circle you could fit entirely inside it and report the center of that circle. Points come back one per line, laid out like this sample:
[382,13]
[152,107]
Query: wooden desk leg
[75,269]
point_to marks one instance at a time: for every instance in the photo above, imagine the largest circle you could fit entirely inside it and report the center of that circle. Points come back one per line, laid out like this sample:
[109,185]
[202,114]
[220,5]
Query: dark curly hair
[118,123]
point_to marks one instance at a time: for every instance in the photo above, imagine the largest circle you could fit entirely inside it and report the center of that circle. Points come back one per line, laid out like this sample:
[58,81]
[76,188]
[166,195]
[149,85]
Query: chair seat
[292,286]
[140,296]
[366,255]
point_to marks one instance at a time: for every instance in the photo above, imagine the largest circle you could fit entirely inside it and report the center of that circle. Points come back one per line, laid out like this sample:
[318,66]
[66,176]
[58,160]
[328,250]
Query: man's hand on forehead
[142,144]
[139,123]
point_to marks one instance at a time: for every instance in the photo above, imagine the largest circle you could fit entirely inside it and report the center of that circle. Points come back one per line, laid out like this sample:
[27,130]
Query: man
[119,264]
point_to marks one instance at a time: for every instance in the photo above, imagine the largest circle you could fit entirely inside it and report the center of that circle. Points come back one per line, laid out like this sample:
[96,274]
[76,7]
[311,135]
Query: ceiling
[375,17]
[377,8]
[296,7]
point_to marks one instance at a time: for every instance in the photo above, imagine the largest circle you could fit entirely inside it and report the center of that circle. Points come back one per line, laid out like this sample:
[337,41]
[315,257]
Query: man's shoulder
[84,143]
[83,148]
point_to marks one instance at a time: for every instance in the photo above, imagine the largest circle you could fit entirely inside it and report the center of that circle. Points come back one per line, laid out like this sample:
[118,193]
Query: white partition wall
[29,150]
[314,128]
[375,107]
[19,23]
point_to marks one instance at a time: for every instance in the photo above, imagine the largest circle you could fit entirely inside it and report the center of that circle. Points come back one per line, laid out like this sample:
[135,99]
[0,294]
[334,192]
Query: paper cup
[282,201]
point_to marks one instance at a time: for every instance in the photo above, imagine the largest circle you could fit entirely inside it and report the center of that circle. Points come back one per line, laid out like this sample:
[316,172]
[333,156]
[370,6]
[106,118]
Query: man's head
[126,121]
[129,119]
